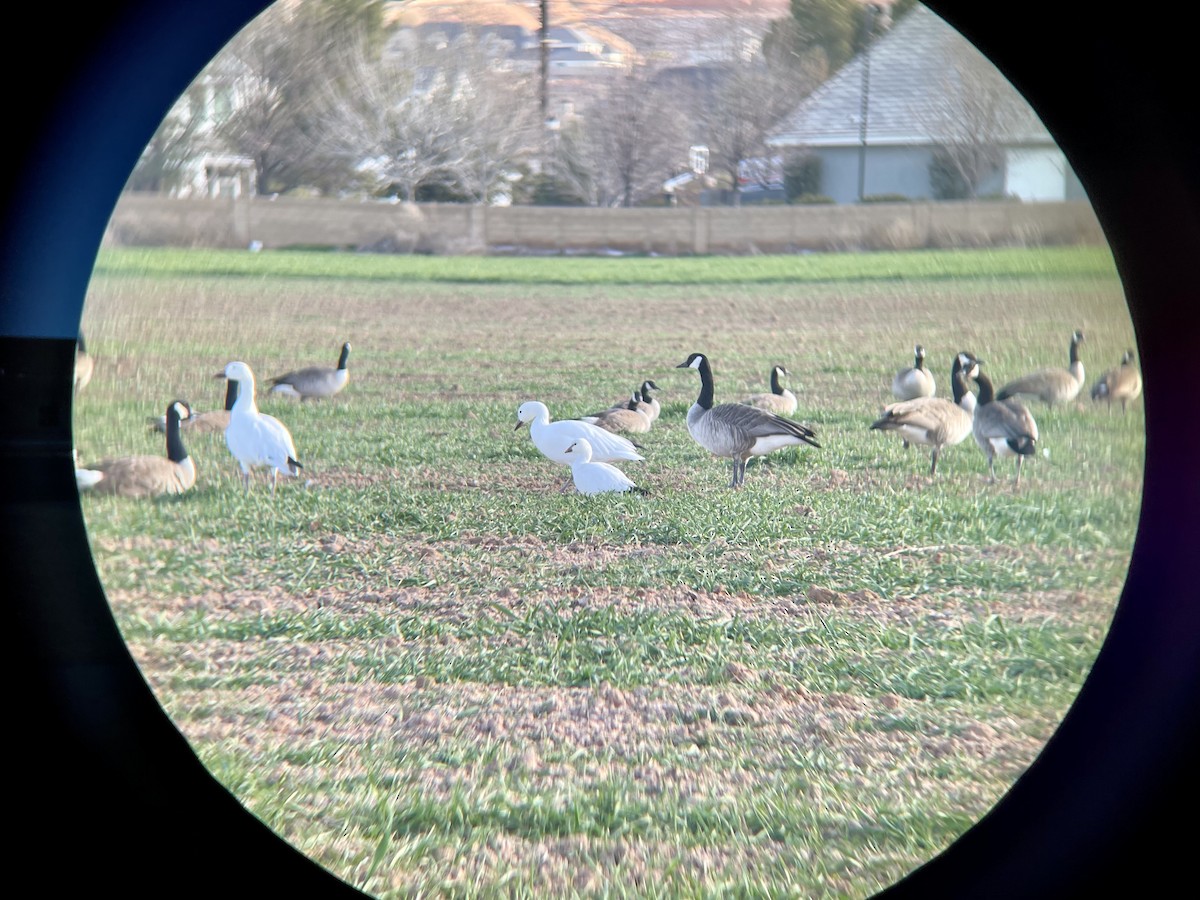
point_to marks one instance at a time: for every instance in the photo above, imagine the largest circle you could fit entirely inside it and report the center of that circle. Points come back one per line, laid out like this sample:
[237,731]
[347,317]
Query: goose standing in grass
[737,431]
[145,476]
[780,400]
[935,422]
[628,417]
[85,364]
[1002,428]
[255,439]
[552,438]
[1122,383]
[314,382]
[211,422]
[914,381]
[1051,384]
[591,477]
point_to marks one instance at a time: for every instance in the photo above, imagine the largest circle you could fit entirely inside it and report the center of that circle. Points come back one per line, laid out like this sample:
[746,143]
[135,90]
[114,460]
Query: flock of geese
[755,426]
[255,440]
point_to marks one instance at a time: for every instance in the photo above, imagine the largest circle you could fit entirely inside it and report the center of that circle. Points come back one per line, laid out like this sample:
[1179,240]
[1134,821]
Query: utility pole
[870,11]
[544,47]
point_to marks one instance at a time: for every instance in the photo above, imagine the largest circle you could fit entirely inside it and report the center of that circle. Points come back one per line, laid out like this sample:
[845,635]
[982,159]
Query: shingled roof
[914,96]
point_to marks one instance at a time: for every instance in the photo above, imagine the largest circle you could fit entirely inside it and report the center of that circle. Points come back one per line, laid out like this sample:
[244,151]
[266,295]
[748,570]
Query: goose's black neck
[344,357]
[705,400]
[986,392]
[958,381]
[776,388]
[1075,349]
[176,452]
[231,392]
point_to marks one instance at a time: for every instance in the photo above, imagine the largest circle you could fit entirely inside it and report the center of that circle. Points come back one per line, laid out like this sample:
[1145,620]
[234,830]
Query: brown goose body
[779,400]
[934,422]
[617,419]
[1052,384]
[145,476]
[214,421]
[1121,384]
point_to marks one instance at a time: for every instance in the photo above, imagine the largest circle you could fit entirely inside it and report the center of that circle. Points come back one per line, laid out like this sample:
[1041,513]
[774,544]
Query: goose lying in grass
[211,422]
[314,382]
[628,417]
[1052,384]
[914,381]
[1121,384]
[646,403]
[737,431]
[591,477]
[1002,428]
[255,439]
[144,476]
[934,422]
[780,400]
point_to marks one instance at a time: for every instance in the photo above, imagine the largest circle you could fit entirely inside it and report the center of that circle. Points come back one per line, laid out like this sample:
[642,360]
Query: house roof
[916,93]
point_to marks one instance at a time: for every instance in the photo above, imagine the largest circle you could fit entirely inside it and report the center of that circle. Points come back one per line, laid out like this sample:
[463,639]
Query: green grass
[433,672]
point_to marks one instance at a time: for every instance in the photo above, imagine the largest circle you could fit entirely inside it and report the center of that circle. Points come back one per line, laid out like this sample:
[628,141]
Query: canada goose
[211,422]
[84,364]
[593,477]
[627,417]
[780,400]
[1002,427]
[1123,383]
[145,476]
[314,382]
[934,422]
[552,438]
[255,439]
[646,403]
[735,430]
[914,381]
[1051,384]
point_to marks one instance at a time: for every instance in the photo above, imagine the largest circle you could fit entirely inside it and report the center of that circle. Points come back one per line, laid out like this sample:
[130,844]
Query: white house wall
[1037,173]
[889,170]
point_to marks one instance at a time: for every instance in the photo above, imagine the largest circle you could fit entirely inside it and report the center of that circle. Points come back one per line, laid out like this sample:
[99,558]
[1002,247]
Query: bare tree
[626,142]
[751,93]
[499,121]
[163,164]
[289,55]
[428,115]
[970,118]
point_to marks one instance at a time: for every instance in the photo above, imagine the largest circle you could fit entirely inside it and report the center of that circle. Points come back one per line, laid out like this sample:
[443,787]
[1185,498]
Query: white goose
[552,438]
[593,477]
[255,439]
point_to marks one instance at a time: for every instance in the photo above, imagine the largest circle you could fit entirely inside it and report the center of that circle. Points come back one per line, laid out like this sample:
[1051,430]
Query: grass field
[434,673]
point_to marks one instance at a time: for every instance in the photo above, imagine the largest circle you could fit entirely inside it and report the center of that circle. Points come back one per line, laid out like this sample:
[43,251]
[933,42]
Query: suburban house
[922,114]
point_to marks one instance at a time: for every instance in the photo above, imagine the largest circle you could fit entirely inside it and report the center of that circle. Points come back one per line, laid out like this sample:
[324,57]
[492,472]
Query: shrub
[801,176]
